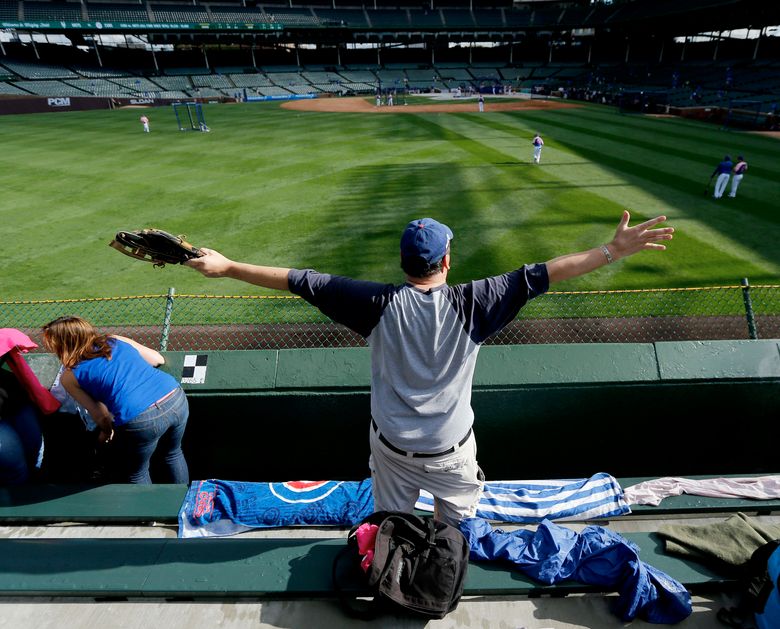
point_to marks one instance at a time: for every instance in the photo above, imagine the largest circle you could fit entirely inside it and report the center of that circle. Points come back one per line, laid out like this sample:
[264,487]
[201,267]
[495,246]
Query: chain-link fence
[208,322]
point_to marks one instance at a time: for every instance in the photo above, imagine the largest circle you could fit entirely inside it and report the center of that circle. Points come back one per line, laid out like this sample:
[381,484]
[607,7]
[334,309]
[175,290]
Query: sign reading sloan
[59,102]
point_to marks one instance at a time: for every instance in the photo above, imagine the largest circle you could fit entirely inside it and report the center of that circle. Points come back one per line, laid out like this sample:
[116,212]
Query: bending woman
[115,379]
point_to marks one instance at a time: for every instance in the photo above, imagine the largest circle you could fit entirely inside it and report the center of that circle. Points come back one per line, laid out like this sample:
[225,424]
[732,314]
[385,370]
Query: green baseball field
[332,191]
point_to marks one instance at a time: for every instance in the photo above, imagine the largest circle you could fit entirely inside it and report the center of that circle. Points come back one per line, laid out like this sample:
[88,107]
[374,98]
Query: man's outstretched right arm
[214,264]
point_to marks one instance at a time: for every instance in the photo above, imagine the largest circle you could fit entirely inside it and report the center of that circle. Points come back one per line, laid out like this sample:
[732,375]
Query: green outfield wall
[546,411]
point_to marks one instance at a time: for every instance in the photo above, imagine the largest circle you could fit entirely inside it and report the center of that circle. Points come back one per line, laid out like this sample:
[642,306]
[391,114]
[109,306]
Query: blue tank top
[126,383]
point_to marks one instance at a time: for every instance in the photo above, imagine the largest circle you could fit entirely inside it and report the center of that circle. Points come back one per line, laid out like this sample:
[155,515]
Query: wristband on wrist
[607,254]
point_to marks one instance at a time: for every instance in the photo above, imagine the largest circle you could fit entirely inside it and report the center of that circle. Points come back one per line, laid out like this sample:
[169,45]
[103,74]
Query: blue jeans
[21,445]
[159,427]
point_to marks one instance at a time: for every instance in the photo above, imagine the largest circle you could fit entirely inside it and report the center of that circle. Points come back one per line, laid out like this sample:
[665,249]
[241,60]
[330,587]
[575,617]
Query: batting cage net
[190,117]
[210,322]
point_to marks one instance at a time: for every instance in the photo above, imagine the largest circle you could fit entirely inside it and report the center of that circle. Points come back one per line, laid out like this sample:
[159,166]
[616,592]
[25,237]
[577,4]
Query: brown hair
[415,266]
[73,339]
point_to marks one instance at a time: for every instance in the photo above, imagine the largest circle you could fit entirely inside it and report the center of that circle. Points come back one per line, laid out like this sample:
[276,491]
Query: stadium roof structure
[687,17]
[398,22]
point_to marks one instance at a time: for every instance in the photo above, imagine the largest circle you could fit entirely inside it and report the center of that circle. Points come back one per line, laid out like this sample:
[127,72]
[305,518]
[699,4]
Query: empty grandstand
[224,49]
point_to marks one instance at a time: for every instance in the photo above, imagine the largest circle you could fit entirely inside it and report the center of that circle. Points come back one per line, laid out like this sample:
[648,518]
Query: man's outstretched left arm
[626,242]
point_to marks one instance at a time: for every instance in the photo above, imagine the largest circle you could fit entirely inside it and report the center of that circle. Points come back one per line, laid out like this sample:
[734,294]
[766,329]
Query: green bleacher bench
[116,503]
[252,567]
[123,503]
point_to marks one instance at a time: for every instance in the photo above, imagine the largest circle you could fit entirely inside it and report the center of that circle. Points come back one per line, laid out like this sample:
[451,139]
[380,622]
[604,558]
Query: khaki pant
[454,479]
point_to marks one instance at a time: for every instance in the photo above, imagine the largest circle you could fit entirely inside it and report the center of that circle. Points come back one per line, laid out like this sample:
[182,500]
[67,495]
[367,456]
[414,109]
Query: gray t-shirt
[424,344]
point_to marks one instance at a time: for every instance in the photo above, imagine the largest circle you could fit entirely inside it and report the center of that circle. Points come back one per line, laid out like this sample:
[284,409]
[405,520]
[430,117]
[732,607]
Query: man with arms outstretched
[424,337]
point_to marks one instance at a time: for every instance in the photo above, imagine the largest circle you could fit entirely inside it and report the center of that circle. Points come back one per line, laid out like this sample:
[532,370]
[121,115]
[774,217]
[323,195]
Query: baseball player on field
[737,173]
[538,143]
[723,171]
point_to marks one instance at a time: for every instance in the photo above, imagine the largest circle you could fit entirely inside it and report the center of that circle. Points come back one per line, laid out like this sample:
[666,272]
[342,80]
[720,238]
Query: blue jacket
[595,556]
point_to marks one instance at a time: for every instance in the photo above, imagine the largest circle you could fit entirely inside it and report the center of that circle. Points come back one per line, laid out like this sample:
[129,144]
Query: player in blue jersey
[723,171]
[424,336]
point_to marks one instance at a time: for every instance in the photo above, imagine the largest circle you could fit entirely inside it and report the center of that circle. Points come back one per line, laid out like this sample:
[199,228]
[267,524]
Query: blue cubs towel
[218,507]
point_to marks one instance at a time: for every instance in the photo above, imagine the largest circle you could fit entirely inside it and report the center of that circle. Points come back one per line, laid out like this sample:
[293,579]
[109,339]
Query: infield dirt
[358,104]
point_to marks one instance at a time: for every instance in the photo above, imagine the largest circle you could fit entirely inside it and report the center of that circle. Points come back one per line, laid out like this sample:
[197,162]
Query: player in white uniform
[739,171]
[538,143]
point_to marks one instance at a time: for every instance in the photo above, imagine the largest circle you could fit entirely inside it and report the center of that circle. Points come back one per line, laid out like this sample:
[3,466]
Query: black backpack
[419,567]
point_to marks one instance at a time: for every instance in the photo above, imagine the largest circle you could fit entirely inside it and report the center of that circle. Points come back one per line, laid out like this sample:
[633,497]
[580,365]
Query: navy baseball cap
[426,238]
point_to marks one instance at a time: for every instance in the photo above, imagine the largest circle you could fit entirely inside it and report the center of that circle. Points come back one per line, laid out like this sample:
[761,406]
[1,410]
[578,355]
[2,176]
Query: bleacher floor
[573,612]
[511,612]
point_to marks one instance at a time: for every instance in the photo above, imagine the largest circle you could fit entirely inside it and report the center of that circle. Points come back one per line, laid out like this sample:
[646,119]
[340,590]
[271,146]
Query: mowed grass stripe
[491,230]
[460,189]
[620,131]
[393,186]
[671,129]
[290,199]
[702,237]
[611,151]
[717,224]
[663,133]
[571,217]
[304,189]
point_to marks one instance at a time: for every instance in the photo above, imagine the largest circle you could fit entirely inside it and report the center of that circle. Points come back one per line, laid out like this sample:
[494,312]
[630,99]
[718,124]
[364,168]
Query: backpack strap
[732,617]
[428,542]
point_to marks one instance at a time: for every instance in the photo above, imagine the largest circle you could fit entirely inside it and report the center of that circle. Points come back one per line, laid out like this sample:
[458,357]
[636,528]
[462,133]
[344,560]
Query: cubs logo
[204,502]
[303,491]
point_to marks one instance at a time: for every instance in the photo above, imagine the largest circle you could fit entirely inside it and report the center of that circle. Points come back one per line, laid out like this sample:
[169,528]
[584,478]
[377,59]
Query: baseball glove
[155,246]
